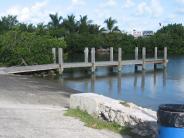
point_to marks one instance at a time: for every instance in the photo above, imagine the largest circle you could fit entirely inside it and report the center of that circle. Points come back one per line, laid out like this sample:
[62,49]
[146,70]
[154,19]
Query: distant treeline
[22,43]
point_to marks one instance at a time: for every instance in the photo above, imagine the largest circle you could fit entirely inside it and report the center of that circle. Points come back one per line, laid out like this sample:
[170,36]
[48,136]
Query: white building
[147,33]
[137,34]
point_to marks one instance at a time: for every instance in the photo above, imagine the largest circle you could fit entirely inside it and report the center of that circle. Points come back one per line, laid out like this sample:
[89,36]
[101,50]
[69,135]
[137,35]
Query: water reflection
[119,83]
[125,86]
[143,81]
[164,77]
[147,88]
[93,79]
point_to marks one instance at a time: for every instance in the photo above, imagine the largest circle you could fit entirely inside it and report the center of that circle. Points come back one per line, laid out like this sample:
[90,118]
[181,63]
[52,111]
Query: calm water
[146,88]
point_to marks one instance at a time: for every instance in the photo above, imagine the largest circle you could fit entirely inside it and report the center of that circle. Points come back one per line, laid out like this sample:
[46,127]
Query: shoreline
[33,108]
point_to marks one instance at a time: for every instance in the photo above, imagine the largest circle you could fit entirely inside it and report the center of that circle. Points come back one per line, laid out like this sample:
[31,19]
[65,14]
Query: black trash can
[171,121]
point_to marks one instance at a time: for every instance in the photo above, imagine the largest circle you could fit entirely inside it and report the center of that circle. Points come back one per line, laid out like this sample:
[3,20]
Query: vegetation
[22,43]
[95,122]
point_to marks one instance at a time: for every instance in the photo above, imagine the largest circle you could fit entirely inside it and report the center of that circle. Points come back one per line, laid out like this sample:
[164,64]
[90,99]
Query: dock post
[111,54]
[86,52]
[136,57]
[143,57]
[60,59]
[93,68]
[54,55]
[119,59]
[155,57]
[165,57]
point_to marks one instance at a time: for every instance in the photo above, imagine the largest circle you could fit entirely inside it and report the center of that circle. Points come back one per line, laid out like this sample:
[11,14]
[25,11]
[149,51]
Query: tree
[84,24]
[41,29]
[55,20]
[110,24]
[70,24]
[8,22]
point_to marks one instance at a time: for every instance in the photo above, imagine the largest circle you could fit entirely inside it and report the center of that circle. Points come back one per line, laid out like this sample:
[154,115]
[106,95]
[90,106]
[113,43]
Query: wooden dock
[92,64]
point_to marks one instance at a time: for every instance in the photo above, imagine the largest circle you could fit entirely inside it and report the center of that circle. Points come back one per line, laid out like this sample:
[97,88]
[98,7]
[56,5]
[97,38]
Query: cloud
[143,8]
[179,11]
[111,2]
[78,2]
[154,8]
[180,1]
[34,13]
[128,4]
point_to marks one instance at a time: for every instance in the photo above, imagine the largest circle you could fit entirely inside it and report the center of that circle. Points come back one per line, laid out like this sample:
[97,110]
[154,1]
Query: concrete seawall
[141,120]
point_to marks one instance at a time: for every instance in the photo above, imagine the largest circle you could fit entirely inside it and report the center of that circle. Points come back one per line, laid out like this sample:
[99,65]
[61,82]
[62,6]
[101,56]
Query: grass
[125,103]
[97,123]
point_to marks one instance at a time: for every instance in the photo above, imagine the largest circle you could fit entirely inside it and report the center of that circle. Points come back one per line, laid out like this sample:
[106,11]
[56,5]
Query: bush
[29,48]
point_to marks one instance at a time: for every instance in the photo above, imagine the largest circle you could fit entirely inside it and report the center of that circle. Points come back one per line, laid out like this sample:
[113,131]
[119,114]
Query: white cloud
[179,11]
[180,1]
[34,13]
[78,2]
[143,8]
[111,2]
[154,8]
[128,4]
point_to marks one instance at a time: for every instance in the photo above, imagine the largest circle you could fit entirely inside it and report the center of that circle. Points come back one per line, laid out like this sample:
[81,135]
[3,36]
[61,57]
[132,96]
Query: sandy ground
[34,108]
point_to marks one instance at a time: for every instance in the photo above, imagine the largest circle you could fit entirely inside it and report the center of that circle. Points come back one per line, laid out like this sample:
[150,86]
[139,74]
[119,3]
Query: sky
[130,14]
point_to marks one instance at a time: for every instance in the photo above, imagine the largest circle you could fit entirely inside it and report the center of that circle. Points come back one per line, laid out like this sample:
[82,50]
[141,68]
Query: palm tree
[41,28]
[55,20]
[94,29]
[110,23]
[70,23]
[84,24]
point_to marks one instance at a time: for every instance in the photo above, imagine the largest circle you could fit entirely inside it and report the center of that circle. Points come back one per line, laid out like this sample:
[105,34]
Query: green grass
[96,123]
[125,103]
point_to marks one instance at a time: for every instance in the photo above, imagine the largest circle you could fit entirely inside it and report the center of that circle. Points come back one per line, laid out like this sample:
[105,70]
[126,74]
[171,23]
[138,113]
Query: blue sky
[130,14]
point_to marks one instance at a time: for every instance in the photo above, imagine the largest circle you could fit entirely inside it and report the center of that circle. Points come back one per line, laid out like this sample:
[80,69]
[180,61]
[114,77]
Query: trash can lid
[171,115]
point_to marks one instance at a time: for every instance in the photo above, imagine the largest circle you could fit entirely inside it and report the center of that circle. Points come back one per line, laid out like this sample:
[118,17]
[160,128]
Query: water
[145,88]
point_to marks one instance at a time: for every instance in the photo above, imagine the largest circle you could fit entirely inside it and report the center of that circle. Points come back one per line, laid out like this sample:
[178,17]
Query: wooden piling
[155,57]
[86,55]
[60,60]
[111,54]
[143,57]
[136,53]
[165,57]
[119,59]
[136,57]
[93,68]
[54,55]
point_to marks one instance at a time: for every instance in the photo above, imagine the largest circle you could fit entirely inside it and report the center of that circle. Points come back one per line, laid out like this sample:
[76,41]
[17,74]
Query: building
[137,34]
[147,33]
